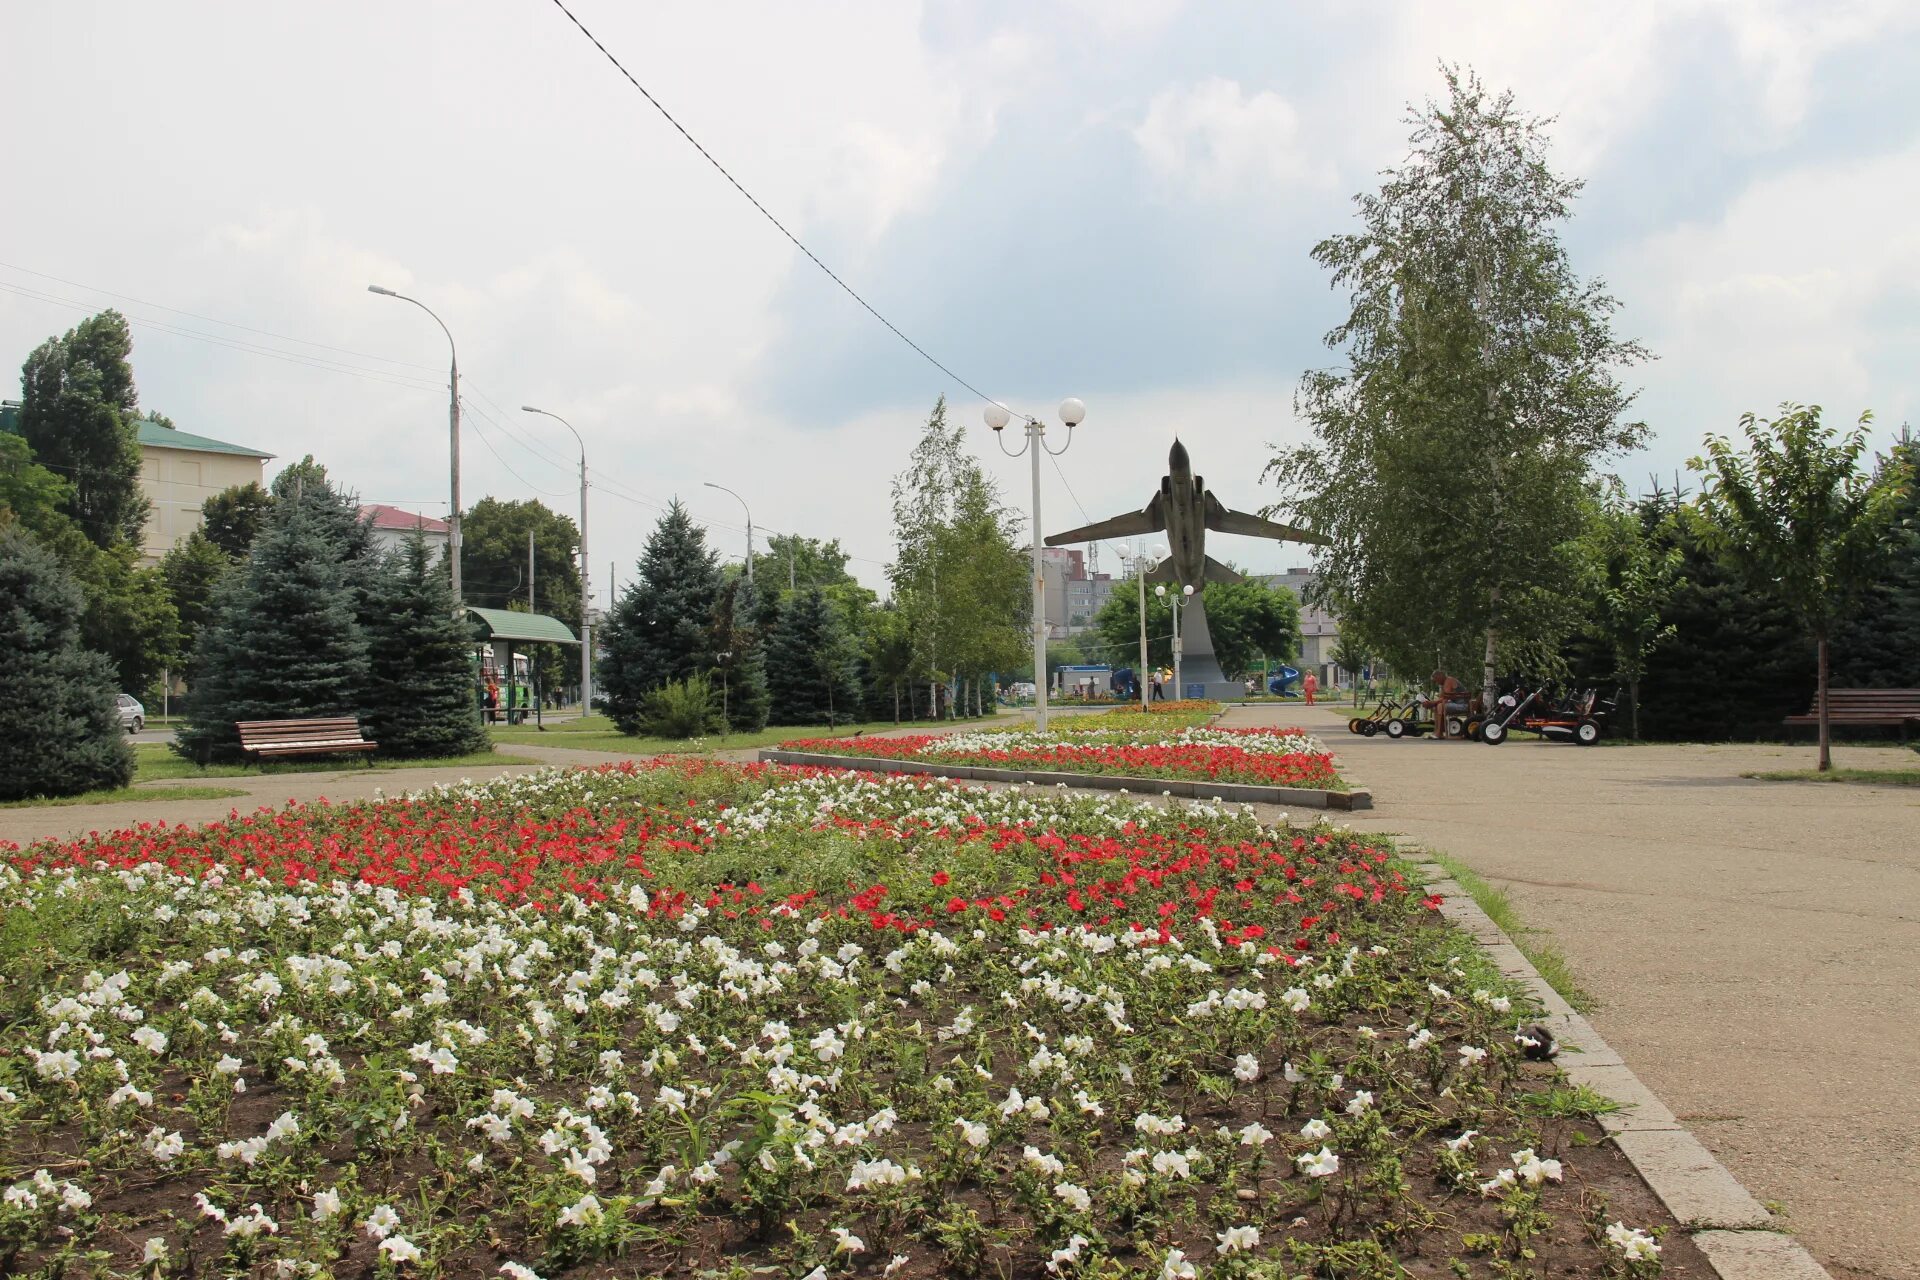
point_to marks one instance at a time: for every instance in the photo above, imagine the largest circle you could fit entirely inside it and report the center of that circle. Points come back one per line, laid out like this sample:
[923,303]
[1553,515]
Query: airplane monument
[1184,509]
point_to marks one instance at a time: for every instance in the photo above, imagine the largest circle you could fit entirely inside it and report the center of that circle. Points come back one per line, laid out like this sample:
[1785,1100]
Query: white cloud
[1216,139]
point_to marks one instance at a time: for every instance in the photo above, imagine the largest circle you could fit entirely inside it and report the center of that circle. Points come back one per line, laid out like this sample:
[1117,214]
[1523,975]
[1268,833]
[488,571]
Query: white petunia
[1318,1164]
[1316,1130]
[1237,1239]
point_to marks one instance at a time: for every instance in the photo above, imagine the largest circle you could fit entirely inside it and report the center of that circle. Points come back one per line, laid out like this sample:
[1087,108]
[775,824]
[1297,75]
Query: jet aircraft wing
[1150,519]
[1221,520]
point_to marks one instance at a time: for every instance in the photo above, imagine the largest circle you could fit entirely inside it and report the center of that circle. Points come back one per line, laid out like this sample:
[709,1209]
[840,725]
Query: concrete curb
[1232,792]
[1740,1239]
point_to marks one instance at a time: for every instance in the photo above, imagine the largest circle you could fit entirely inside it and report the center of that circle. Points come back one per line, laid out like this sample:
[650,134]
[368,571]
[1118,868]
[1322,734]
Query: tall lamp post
[1140,573]
[744,507]
[586,623]
[1072,413]
[453,431]
[1179,607]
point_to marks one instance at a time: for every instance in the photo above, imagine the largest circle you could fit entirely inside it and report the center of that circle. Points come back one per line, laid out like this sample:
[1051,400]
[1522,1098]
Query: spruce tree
[420,673]
[1878,645]
[743,671]
[282,642]
[63,730]
[660,629]
[809,669]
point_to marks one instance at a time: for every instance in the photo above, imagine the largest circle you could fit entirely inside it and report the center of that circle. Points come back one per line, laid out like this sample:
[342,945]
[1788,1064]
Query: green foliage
[659,629]
[334,513]
[1877,644]
[1478,391]
[1638,565]
[1796,511]
[29,492]
[191,570]
[888,649]
[959,576]
[63,731]
[420,697]
[809,665]
[78,413]
[493,560]
[233,518]
[283,641]
[679,709]
[1248,620]
[741,655]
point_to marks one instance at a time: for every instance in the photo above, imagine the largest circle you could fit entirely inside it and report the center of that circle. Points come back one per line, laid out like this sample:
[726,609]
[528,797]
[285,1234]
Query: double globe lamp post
[1072,413]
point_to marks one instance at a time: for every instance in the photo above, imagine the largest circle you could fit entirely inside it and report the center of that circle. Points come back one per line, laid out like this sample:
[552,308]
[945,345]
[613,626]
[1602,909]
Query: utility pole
[454,542]
[530,608]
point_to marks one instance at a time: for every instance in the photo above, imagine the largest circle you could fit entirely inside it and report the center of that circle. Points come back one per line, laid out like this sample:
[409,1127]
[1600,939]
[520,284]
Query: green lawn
[154,762]
[596,733]
[1865,777]
[126,795]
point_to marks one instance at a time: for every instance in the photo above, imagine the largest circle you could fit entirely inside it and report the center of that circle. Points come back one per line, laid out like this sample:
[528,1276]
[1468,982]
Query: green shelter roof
[509,624]
[155,436]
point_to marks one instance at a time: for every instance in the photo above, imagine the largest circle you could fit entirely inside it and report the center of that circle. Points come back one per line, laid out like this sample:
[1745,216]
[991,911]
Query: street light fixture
[586,623]
[1072,413]
[453,430]
[743,506]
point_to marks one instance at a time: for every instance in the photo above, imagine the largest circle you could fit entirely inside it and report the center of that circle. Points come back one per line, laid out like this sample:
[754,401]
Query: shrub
[681,709]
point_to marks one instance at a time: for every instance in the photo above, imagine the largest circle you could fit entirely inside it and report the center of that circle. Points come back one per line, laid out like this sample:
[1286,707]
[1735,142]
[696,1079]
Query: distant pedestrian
[1309,686]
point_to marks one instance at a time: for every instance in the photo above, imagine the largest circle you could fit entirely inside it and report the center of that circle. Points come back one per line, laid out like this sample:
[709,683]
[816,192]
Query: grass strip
[156,762]
[1860,777]
[597,733]
[125,795]
[1544,956]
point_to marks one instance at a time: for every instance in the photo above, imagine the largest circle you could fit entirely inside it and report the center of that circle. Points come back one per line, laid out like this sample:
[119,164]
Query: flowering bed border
[1736,1234]
[1189,788]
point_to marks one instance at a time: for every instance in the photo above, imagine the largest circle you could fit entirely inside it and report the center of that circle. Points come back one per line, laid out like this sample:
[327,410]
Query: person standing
[1309,685]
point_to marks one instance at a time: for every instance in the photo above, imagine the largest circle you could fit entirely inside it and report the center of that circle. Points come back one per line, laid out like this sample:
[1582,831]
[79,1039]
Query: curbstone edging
[1740,1239]
[1229,792]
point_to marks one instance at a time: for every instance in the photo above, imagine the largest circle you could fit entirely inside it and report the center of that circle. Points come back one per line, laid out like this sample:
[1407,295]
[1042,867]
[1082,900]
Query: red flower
[940,878]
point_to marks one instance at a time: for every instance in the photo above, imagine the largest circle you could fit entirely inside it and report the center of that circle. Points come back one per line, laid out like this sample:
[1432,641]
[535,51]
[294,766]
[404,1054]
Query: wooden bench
[264,739]
[1866,708]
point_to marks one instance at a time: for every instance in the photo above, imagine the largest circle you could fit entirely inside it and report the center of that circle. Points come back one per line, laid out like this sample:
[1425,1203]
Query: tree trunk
[1826,753]
[896,702]
[1633,705]
[1489,666]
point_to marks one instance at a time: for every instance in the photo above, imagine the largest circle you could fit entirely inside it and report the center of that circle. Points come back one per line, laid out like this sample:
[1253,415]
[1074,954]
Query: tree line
[1457,469]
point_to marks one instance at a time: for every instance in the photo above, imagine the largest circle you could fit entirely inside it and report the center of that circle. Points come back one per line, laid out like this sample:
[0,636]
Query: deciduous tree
[78,411]
[232,518]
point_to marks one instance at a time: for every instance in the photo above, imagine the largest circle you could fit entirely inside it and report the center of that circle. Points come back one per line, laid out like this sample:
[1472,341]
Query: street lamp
[1157,554]
[586,624]
[743,506]
[453,429]
[1179,607]
[1072,413]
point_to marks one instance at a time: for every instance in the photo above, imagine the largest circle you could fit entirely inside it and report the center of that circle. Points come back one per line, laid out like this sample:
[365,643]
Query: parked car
[133,716]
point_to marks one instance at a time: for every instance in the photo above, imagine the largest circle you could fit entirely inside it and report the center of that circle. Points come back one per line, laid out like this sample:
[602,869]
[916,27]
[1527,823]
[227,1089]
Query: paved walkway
[1754,946]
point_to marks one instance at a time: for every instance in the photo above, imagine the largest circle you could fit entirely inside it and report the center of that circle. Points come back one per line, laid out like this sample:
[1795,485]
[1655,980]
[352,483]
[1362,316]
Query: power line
[764,212]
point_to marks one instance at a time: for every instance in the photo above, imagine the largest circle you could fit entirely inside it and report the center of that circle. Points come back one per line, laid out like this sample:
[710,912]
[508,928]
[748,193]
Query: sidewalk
[1754,946]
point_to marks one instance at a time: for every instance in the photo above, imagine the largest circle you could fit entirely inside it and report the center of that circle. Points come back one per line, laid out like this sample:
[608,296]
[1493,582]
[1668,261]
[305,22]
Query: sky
[1108,199]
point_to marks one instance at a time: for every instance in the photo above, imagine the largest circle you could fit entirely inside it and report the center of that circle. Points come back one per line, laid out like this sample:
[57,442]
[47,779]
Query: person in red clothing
[1309,686]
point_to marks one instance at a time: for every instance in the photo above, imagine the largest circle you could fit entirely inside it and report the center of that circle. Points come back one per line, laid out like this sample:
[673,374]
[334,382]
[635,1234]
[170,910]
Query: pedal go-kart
[1371,723]
[1576,718]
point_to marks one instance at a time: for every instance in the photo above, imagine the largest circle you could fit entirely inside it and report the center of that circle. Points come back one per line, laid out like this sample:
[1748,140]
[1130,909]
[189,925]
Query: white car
[133,716]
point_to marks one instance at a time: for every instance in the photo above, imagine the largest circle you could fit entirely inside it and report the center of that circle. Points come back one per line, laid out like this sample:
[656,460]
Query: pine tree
[283,641]
[660,629]
[63,731]
[743,668]
[1878,645]
[420,674]
[809,671]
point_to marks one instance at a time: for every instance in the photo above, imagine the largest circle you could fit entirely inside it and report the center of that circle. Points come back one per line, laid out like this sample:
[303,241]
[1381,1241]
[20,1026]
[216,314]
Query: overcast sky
[1100,198]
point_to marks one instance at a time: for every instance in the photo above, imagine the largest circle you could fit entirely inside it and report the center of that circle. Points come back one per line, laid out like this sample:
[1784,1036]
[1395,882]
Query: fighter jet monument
[1184,509]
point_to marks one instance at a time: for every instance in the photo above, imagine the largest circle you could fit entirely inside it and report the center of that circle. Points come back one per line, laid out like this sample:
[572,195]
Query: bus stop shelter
[506,678]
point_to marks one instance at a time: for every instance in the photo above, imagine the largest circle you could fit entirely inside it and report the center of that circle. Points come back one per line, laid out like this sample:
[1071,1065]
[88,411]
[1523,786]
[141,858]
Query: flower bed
[1265,757]
[694,1019]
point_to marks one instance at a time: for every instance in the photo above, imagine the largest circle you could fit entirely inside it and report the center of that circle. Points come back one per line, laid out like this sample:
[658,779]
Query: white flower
[1042,1162]
[227,1065]
[154,1042]
[1634,1244]
[1237,1239]
[972,1132]
[382,1222]
[894,1263]
[1534,1170]
[1360,1101]
[580,1167]
[516,1271]
[1069,1253]
[584,1212]
[325,1204]
[1246,1067]
[1176,1267]
[1296,999]
[1463,1142]
[1255,1135]
[163,1146]
[844,1241]
[400,1249]
[1318,1164]
[1316,1130]
[1469,1055]
[156,1251]
[1074,1196]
